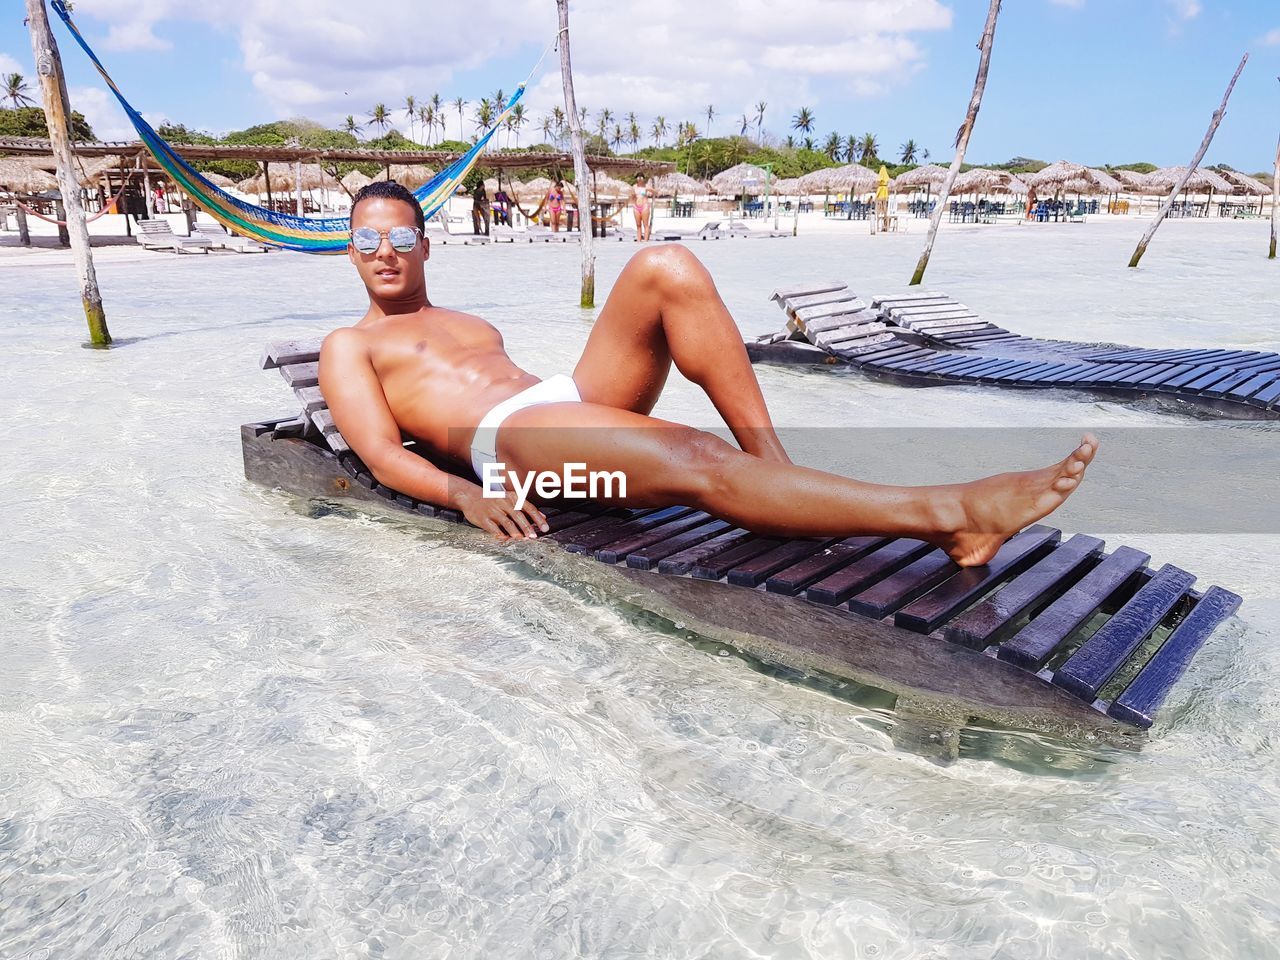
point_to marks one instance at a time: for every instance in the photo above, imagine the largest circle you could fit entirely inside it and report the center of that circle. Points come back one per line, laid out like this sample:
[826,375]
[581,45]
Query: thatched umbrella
[410,175]
[1093,181]
[745,178]
[1065,175]
[851,178]
[353,181]
[928,176]
[606,187]
[671,184]
[981,180]
[1245,184]
[313,178]
[1134,182]
[1201,179]
[789,187]
[255,185]
[21,176]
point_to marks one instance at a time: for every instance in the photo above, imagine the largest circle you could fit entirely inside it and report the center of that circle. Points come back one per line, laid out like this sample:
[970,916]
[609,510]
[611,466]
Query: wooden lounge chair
[1013,642]
[439,228]
[218,236]
[929,339]
[156,234]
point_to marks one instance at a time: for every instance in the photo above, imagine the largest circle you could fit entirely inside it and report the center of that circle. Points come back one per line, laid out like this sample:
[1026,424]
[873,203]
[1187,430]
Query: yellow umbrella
[882,191]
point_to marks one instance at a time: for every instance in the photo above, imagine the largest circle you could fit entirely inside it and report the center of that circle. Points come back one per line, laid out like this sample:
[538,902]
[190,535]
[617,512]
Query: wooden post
[1195,162]
[297,187]
[24,232]
[57,110]
[266,177]
[60,214]
[962,138]
[581,177]
[1275,201]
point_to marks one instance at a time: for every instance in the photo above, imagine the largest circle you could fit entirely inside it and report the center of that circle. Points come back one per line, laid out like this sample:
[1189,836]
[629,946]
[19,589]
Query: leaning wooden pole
[57,110]
[1275,201]
[1195,162]
[581,176]
[962,138]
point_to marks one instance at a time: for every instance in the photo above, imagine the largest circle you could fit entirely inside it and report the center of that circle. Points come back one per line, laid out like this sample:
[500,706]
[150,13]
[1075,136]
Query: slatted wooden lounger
[1053,635]
[927,339]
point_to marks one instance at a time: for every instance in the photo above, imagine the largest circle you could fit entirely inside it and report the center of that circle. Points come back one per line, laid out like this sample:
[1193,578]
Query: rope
[105,207]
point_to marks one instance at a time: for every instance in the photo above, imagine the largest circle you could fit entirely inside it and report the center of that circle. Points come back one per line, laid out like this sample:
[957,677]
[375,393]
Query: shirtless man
[443,377]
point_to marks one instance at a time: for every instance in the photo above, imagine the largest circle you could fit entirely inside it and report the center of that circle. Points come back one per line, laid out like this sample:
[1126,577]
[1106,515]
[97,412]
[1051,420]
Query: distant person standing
[160,202]
[555,204]
[642,208]
[480,212]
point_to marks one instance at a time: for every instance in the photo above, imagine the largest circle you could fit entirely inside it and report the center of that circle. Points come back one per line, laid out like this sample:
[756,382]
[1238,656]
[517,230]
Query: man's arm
[354,394]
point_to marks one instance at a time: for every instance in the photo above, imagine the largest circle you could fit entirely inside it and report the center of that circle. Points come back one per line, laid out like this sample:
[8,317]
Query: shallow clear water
[232,725]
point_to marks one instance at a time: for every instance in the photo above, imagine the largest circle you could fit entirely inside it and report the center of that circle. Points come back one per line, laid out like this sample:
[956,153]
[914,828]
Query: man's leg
[666,463]
[664,308]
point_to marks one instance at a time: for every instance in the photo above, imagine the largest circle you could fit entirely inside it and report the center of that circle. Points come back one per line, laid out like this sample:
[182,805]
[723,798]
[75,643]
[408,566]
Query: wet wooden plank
[611,519]
[1251,386]
[837,587]
[648,557]
[1223,387]
[301,374]
[684,560]
[809,289]
[289,352]
[900,588]
[581,540]
[1035,642]
[1088,669]
[1147,691]
[1267,396]
[937,606]
[616,550]
[753,572]
[795,578]
[987,622]
[716,566]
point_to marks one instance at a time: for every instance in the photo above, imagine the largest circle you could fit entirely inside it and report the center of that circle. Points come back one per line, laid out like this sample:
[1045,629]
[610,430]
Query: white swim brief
[484,445]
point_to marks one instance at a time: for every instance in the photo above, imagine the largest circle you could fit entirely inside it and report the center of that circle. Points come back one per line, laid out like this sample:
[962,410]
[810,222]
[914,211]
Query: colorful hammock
[304,234]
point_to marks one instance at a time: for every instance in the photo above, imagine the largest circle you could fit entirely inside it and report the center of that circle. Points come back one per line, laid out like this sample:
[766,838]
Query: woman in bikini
[555,204]
[640,206]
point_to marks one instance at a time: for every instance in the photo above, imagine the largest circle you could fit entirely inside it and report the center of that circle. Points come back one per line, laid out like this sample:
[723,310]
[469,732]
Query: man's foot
[995,508]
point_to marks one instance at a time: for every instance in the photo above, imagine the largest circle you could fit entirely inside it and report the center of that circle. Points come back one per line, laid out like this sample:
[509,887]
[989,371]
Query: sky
[1094,81]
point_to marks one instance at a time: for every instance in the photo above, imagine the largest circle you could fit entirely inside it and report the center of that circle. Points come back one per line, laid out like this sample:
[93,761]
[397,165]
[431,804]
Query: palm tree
[851,148]
[517,120]
[499,101]
[16,90]
[803,121]
[790,142]
[557,115]
[869,149]
[484,116]
[350,126]
[659,130]
[547,126]
[760,121]
[633,130]
[618,137]
[711,115]
[379,117]
[746,125]
[832,147]
[910,152]
[411,108]
[603,119]
[427,117]
[808,143]
[458,104]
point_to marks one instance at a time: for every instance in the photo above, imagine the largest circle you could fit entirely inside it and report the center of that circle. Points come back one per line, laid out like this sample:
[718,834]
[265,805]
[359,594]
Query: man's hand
[499,515]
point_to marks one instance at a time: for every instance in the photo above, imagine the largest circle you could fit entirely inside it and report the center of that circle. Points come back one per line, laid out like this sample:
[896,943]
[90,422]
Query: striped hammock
[304,234]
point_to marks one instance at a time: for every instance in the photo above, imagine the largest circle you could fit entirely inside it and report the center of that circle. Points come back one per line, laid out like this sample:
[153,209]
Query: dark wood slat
[683,561]
[1251,386]
[617,550]
[836,588]
[795,578]
[1144,695]
[1264,398]
[1089,668]
[646,558]
[1212,376]
[301,374]
[811,289]
[753,572]
[1010,373]
[611,520]
[584,541]
[900,588]
[1223,387]
[937,606]
[1035,642]
[985,623]
[716,566]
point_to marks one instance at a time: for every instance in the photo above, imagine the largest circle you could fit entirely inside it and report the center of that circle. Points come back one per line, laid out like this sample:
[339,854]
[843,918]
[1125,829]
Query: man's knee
[671,268]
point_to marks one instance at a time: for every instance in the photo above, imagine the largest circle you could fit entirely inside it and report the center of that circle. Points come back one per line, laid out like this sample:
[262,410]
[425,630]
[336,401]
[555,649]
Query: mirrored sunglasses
[367,239]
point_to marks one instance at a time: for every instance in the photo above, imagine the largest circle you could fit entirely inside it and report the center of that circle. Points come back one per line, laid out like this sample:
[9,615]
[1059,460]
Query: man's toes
[1063,484]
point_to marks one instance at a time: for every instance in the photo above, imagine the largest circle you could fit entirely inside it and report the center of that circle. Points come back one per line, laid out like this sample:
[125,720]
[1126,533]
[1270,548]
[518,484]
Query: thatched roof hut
[1133,182]
[789,187]
[1245,184]
[981,180]
[218,180]
[929,175]
[20,176]
[410,175]
[851,178]
[354,180]
[744,178]
[605,187]
[675,183]
[1201,180]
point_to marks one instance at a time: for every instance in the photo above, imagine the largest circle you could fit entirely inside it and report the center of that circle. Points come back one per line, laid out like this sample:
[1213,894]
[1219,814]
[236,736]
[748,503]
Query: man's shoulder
[344,341]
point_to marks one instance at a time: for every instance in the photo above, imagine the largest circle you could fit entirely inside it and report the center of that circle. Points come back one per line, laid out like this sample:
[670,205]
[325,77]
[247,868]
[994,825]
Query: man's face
[387,273]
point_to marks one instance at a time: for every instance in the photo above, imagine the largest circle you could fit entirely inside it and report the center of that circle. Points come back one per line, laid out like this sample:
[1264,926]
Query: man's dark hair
[389,190]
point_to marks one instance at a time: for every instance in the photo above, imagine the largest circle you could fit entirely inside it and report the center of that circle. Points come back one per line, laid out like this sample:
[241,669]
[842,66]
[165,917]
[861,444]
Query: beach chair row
[1103,627]
[929,338]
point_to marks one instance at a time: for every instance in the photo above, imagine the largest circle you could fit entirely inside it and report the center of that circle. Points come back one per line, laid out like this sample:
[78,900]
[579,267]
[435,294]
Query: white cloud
[9,65]
[328,58]
[1271,38]
[103,113]
[1186,9]
[1075,4]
